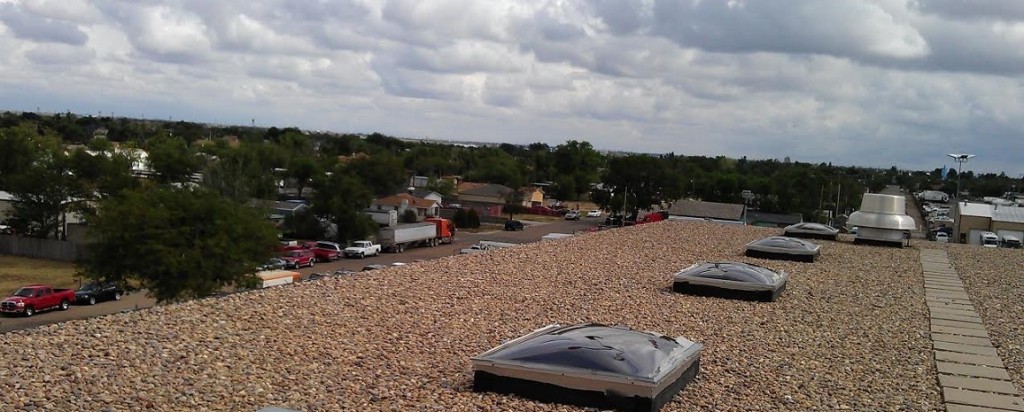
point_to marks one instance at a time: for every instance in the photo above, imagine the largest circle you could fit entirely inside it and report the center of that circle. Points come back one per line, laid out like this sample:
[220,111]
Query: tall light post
[960,158]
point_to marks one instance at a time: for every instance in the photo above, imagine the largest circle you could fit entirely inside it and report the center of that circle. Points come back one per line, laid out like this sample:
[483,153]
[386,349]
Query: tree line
[190,210]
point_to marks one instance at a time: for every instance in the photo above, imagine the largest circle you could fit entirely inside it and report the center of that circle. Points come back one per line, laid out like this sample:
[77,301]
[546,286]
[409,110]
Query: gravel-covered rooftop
[994,279]
[850,331]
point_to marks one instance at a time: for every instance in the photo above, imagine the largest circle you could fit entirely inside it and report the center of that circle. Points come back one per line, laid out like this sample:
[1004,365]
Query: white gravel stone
[994,280]
[850,332]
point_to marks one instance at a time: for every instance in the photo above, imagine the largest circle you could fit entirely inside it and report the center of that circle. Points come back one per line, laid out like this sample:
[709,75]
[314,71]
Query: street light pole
[960,158]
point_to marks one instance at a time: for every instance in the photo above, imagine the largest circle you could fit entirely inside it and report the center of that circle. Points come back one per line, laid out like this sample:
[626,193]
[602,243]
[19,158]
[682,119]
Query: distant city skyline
[874,83]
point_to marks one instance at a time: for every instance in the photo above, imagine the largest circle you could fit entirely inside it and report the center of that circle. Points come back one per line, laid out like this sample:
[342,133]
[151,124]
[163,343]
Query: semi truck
[933,196]
[431,232]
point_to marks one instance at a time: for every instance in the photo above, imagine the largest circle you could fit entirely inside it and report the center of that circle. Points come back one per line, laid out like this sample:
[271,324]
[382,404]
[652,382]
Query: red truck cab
[35,298]
[445,229]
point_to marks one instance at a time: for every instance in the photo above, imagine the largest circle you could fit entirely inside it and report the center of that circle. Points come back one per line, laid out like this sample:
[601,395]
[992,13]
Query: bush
[459,219]
[409,216]
[472,219]
[466,218]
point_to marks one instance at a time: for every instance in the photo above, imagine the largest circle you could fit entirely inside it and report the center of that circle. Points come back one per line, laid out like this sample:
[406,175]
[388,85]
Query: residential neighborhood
[281,212]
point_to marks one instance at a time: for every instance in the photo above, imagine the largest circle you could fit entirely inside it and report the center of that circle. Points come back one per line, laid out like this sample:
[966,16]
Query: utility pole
[838,191]
[821,199]
[625,198]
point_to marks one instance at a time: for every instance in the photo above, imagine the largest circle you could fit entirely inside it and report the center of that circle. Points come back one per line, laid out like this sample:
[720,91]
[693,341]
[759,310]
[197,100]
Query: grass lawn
[16,271]
[484,227]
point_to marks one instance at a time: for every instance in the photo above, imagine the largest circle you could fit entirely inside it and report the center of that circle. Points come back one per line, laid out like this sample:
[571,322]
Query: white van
[989,239]
[1010,241]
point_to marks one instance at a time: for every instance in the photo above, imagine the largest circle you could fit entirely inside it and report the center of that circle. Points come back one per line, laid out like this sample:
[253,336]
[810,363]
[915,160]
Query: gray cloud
[971,9]
[50,54]
[30,26]
[844,28]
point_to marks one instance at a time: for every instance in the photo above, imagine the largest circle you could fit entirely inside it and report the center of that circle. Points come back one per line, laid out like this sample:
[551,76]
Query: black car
[513,225]
[616,220]
[91,293]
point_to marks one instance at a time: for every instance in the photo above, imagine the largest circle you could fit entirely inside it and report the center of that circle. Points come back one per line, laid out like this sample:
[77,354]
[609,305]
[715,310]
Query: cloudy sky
[868,82]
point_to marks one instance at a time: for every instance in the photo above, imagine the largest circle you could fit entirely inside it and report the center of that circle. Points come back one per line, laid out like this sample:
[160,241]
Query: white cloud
[872,82]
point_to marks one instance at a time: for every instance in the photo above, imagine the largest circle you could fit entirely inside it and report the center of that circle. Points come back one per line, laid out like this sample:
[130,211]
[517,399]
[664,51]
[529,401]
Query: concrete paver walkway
[971,374]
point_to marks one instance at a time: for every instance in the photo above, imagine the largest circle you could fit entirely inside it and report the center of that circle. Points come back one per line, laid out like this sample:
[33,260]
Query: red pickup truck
[34,298]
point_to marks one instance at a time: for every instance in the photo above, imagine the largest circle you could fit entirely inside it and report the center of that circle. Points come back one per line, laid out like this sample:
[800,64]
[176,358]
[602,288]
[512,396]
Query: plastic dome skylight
[590,365]
[730,279]
[782,247]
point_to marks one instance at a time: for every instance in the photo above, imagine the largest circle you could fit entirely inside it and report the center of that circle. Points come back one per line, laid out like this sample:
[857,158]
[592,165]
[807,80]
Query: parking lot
[133,301]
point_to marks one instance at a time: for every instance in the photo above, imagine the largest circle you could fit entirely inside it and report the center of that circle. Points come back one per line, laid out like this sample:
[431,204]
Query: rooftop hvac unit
[731,280]
[812,231]
[785,248]
[590,365]
[882,218]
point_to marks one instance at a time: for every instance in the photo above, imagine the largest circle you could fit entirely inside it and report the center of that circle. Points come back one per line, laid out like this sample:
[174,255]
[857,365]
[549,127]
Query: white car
[942,237]
[594,213]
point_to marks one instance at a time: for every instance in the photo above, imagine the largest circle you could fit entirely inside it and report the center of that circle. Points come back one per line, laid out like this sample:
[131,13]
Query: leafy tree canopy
[171,159]
[177,243]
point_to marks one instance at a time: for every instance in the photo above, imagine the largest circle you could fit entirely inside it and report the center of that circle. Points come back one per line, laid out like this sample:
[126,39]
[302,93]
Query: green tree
[382,173]
[172,160]
[177,243]
[513,204]
[386,143]
[340,199]
[580,161]
[44,192]
[513,209]
[303,225]
[303,169]
[409,216]
[636,182]
[444,188]
[295,143]
[102,174]
[241,174]
[494,165]
[18,150]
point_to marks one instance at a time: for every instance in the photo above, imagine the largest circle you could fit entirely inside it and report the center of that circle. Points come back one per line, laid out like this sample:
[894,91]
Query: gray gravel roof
[849,332]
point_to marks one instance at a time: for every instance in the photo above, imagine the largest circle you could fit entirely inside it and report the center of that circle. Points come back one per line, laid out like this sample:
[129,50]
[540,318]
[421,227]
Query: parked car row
[322,251]
[33,299]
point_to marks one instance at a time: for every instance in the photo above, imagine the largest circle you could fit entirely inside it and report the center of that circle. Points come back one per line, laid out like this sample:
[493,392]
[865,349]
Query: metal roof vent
[590,365]
[730,279]
[882,218]
[786,248]
[812,231]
